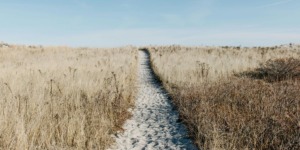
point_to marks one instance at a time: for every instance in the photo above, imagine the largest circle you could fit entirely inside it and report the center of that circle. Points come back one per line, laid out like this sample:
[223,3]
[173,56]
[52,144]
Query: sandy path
[154,123]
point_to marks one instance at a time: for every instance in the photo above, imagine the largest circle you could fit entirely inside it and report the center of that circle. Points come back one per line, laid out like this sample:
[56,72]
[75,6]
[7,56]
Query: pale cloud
[201,9]
[275,3]
[173,19]
[150,36]
[192,37]
[81,4]
[197,12]
[258,35]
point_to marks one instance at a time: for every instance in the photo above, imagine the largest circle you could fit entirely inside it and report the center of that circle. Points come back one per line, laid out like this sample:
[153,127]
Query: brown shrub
[276,70]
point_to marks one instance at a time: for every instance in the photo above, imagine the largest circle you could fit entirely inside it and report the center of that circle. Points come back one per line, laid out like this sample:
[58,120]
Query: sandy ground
[154,124]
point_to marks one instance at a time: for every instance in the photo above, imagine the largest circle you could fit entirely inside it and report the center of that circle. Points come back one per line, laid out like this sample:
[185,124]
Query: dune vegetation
[77,98]
[234,97]
[64,98]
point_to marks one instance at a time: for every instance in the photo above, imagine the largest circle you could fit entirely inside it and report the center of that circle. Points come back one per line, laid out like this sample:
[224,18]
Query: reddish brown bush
[276,70]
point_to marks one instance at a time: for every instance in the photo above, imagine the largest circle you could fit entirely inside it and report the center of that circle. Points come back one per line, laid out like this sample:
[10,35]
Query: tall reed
[64,98]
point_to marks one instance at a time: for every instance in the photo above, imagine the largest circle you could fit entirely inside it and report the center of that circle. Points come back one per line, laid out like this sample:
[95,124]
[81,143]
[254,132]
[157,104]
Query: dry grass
[64,98]
[223,111]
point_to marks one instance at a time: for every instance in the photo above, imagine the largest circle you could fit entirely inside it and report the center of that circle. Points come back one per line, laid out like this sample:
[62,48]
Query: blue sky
[109,23]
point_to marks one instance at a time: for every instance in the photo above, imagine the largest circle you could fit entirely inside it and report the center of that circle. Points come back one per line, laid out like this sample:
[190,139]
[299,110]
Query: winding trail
[154,124]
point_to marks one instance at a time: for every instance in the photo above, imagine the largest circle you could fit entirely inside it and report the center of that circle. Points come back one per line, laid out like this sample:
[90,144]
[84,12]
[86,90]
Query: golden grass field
[224,104]
[64,98]
[77,98]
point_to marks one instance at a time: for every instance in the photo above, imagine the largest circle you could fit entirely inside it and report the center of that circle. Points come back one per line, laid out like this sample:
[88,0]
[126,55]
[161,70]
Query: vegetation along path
[154,124]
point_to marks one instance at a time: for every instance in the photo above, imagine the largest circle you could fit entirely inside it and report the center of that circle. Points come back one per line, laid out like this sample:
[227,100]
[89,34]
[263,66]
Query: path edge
[159,80]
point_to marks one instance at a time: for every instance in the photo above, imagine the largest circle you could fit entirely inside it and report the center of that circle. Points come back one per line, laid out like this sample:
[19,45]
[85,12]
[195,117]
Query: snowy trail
[154,124]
